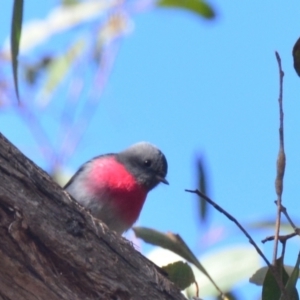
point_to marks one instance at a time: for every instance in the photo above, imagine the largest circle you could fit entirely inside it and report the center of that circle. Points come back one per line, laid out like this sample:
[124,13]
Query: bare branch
[280,160]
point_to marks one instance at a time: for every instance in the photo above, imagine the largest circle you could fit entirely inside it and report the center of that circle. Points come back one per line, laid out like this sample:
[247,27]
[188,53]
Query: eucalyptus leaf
[16,28]
[174,243]
[180,273]
[200,8]
[291,283]
[296,56]
[203,187]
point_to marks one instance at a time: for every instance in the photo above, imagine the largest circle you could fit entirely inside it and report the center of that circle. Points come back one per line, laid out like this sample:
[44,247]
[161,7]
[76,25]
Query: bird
[114,186]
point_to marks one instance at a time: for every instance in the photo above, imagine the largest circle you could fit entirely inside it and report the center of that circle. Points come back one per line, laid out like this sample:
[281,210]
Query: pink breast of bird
[123,192]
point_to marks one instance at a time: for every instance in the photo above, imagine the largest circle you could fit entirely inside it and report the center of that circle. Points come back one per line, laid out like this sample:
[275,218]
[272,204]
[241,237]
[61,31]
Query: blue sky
[193,87]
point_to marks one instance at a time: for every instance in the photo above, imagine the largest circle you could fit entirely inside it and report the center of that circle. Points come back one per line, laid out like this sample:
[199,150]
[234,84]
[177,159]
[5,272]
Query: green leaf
[259,276]
[198,7]
[296,56]
[16,28]
[180,273]
[270,225]
[69,2]
[168,241]
[174,243]
[202,185]
[291,283]
[271,290]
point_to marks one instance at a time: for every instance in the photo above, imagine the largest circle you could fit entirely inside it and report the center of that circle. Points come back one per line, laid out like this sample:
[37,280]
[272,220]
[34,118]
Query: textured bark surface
[51,248]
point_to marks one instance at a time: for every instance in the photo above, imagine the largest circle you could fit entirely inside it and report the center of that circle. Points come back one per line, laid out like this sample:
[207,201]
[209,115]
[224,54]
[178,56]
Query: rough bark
[51,248]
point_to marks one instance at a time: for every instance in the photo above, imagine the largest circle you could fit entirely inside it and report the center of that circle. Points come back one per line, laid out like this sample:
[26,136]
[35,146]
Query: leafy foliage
[296,56]
[15,37]
[180,273]
[199,7]
[271,290]
[174,243]
[203,187]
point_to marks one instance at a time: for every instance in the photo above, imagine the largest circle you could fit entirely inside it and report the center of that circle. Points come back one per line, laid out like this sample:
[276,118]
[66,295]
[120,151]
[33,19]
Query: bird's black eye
[147,162]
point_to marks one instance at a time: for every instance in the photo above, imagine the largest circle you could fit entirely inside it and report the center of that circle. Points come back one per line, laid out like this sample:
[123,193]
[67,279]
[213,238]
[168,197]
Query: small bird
[114,186]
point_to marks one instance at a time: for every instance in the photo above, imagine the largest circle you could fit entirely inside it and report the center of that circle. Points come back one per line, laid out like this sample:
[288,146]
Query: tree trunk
[52,248]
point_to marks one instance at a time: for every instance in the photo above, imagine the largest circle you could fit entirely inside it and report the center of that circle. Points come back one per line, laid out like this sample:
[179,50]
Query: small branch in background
[38,132]
[284,211]
[231,218]
[67,118]
[280,161]
[281,238]
[234,220]
[90,106]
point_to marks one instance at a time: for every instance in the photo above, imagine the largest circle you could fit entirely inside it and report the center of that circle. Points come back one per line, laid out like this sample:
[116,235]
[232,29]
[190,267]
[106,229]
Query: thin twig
[234,220]
[38,132]
[283,249]
[281,238]
[284,211]
[89,109]
[197,288]
[280,161]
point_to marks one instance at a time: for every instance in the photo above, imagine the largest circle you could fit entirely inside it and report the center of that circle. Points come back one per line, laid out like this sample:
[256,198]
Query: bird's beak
[162,179]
